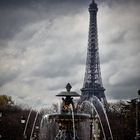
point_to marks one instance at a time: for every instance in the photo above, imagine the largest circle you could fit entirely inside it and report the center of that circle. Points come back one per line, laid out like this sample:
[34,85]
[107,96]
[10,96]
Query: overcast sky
[43,45]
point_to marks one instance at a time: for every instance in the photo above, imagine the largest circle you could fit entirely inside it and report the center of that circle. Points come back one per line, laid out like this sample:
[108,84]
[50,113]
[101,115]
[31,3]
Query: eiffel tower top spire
[93,7]
[92,81]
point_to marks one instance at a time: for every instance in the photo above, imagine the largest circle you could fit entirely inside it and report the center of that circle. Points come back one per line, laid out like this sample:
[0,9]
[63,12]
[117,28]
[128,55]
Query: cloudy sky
[43,46]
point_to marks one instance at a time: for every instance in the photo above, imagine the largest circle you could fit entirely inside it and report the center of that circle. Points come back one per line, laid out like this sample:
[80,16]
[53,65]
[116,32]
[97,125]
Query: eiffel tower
[92,85]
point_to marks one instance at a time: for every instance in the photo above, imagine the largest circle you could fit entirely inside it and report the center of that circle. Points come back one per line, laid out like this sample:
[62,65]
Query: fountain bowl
[68,117]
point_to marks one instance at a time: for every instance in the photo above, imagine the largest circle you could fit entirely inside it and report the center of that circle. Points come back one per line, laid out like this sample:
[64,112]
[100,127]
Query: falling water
[41,122]
[45,117]
[97,115]
[73,122]
[105,116]
[43,126]
[24,133]
[96,104]
[48,128]
[34,125]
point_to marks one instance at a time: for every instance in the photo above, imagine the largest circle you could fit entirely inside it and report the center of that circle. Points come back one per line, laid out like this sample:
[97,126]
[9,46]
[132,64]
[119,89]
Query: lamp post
[35,134]
[96,128]
[94,124]
[91,126]
[23,121]
[0,121]
[37,130]
[0,114]
[137,116]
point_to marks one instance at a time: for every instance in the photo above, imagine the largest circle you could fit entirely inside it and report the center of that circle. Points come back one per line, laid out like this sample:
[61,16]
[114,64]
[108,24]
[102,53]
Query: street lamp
[23,121]
[96,128]
[94,124]
[0,114]
[137,116]
[91,125]
[36,131]
[0,121]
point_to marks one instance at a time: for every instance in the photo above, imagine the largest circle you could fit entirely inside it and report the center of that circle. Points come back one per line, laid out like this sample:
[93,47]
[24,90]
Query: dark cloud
[16,14]
[43,46]
[8,77]
[21,2]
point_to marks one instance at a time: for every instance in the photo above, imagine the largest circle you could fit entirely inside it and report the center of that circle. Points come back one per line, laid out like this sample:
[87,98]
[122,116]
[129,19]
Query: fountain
[75,122]
[68,120]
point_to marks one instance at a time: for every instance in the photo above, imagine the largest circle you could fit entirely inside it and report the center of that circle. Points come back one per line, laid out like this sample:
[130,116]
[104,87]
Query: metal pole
[137,117]
[91,125]
[0,121]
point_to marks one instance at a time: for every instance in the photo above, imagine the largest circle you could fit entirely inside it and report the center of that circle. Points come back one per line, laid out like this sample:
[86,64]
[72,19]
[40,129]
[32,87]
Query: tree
[5,100]
[122,116]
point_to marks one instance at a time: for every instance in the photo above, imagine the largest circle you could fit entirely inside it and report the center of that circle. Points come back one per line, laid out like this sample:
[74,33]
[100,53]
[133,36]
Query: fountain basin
[68,117]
